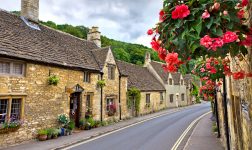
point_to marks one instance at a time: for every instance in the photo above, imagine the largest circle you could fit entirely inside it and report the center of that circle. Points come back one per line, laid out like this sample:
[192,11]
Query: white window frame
[11,67]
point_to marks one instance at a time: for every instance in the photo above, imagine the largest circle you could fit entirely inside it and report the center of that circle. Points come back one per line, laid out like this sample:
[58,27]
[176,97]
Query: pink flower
[244,3]
[229,37]
[150,32]
[202,70]
[155,45]
[216,6]
[180,12]
[205,14]
[161,15]
[162,53]
[206,41]
[172,58]
[217,42]
[225,12]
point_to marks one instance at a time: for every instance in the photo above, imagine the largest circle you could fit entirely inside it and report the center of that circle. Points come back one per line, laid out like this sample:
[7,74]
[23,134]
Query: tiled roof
[176,78]
[157,66]
[101,55]
[187,78]
[47,45]
[139,77]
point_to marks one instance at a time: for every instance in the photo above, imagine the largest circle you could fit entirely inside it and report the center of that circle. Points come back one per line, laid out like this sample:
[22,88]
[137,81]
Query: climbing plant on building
[133,99]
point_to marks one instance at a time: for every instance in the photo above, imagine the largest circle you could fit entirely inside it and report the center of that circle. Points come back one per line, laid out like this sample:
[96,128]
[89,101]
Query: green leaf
[198,26]
[218,31]
[209,23]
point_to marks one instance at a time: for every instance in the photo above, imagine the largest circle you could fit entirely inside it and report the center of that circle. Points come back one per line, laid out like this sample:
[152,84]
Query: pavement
[157,131]
[202,137]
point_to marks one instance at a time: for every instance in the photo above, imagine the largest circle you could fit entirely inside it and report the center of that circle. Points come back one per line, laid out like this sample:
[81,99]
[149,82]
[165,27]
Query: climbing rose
[205,15]
[213,71]
[180,12]
[170,68]
[229,37]
[162,53]
[206,41]
[216,6]
[208,66]
[249,75]
[172,58]
[150,32]
[239,75]
[202,70]
[247,41]
[240,14]
[218,42]
[225,12]
[155,45]
[161,15]
[244,3]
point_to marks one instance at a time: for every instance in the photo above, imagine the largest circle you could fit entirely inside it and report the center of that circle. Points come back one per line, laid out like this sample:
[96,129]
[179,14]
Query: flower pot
[54,136]
[62,133]
[42,137]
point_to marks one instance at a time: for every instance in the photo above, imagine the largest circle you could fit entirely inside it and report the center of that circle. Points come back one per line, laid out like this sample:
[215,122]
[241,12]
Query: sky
[124,20]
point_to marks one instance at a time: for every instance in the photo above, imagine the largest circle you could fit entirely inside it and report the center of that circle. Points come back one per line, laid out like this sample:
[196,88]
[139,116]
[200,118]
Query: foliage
[101,83]
[71,125]
[63,119]
[42,132]
[53,80]
[49,131]
[134,94]
[91,121]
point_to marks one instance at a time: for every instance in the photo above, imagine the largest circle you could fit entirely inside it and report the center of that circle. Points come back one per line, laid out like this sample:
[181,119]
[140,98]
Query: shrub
[42,132]
[63,119]
[49,131]
[71,125]
[53,80]
[101,83]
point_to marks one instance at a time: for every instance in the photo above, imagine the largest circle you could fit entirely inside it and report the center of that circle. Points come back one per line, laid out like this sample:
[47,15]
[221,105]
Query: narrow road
[157,134]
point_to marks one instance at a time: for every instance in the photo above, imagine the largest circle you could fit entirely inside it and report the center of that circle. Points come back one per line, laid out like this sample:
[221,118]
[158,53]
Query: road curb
[65,146]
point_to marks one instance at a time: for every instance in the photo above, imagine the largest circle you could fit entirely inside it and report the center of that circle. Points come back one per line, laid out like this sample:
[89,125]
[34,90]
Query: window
[170,81]
[11,68]
[147,100]
[111,72]
[15,109]
[88,102]
[3,110]
[87,77]
[182,97]
[171,98]
[110,102]
[182,82]
[161,97]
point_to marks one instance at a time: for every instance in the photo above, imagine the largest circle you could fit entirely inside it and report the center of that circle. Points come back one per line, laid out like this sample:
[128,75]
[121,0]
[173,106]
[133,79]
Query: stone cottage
[152,91]
[176,94]
[31,54]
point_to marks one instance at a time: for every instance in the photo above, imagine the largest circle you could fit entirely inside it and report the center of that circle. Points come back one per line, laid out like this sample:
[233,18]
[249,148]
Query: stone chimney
[30,9]
[147,58]
[95,36]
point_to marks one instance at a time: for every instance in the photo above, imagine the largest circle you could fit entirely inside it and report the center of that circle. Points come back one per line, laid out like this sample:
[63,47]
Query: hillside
[133,53]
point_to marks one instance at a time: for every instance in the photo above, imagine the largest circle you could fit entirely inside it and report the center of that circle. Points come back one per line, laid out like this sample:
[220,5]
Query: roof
[139,77]
[101,55]
[187,78]
[157,66]
[47,45]
[176,78]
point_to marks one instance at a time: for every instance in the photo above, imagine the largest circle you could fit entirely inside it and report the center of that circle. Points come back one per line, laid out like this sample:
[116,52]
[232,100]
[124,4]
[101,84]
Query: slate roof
[187,78]
[139,77]
[157,66]
[47,45]
[101,55]
[176,78]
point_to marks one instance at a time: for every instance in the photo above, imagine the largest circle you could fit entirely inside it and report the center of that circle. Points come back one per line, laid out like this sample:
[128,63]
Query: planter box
[7,130]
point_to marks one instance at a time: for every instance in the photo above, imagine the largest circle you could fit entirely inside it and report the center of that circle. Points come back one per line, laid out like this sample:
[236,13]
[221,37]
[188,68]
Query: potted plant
[42,135]
[55,133]
[63,119]
[82,124]
[70,127]
[49,133]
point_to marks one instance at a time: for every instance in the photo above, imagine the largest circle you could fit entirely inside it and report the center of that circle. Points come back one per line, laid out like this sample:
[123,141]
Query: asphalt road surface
[157,134]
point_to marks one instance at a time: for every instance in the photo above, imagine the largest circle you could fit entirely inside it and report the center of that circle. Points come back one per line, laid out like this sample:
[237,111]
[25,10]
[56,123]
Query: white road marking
[117,130]
[180,139]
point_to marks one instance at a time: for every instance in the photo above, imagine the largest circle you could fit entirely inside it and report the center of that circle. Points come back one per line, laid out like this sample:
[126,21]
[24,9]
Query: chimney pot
[95,36]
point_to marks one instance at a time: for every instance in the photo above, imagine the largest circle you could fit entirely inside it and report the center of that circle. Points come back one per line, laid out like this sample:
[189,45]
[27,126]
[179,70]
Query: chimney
[30,9]
[95,36]
[147,58]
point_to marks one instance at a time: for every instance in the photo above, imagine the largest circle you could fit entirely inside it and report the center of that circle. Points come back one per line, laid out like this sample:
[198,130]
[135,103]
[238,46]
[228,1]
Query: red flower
[205,15]
[247,41]
[229,37]
[155,45]
[161,15]
[150,32]
[238,75]
[208,66]
[172,58]
[249,75]
[244,3]
[218,42]
[213,71]
[206,41]
[170,68]
[240,14]
[180,12]
[162,53]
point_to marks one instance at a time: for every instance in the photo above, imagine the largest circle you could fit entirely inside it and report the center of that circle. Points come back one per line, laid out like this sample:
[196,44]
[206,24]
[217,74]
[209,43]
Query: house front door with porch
[75,108]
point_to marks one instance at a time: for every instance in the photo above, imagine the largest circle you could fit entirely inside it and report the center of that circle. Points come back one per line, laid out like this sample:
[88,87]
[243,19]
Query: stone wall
[43,102]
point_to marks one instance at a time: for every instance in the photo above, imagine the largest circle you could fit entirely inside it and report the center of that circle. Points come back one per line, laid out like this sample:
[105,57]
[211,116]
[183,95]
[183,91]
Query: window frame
[171,97]
[170,81]
[161,97]
[113,102]
[12,62]
[111,71]
[147,99]
[183,97]
[87,77]
[9,106]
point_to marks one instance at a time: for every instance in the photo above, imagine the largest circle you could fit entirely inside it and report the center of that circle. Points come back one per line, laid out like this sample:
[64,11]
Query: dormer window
[170,81]
[182,82]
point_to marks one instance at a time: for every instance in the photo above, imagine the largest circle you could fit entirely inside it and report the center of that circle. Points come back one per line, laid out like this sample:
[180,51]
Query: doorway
[75,107]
